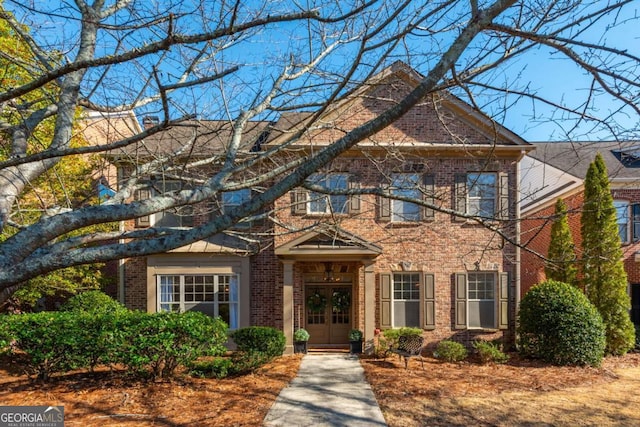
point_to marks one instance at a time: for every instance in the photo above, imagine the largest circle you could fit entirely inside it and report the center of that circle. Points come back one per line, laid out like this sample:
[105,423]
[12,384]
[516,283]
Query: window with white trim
[622,217]
[405,185]
[481,194]
[213,294]
[234,199]
[178,217]
[319,203]
[406,300]
[635,215]
[481,300]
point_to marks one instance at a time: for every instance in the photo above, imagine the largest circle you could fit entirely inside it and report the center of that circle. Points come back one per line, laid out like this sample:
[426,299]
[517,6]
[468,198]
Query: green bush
[5,335]
[391,336]
[157,344]
[450,351]
[219,367]
[489,352]
[355,335]
[92,302]
[52,341]
[301,335]
[260,339]
[559,325]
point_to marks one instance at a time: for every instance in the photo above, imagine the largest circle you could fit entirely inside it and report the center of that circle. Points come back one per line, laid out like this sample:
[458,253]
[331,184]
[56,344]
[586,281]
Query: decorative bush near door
[300,338]
[355,341]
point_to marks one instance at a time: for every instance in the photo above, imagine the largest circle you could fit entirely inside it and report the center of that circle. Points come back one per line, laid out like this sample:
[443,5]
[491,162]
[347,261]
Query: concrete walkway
[329,390]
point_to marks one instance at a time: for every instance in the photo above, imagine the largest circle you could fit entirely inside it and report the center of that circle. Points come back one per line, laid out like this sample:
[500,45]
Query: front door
[328,313]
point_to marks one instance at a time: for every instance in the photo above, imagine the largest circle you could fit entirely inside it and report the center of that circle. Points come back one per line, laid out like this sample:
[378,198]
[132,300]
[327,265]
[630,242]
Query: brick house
[359,260]
[557,170]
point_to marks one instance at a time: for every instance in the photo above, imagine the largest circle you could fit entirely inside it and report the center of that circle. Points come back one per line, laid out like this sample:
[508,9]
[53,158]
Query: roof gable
[328,241]
[440,119]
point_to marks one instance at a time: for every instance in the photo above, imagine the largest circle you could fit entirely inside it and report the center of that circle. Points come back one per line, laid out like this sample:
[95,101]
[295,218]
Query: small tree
[561,264]
[605,280]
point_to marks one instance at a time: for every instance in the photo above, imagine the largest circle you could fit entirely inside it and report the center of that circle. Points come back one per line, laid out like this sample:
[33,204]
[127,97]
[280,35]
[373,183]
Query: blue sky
[549,75]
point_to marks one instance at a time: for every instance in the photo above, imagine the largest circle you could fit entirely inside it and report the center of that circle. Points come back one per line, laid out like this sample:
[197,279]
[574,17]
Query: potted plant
[355,341]
[300,338]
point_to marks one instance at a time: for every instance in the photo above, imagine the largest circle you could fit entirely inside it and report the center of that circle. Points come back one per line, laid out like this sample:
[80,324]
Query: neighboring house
[557,170]
[366,261]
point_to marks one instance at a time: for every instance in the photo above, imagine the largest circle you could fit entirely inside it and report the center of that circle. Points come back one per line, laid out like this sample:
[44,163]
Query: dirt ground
[518,393]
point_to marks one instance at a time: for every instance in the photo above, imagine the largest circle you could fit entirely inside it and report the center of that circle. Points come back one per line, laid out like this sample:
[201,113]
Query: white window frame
[623,219]
[485,294]
[405,185]
[184,214]
[478,193]
[224,291]
[399,293]
[325,204]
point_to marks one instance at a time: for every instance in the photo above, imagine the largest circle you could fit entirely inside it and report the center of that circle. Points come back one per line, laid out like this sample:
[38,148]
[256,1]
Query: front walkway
[329,390]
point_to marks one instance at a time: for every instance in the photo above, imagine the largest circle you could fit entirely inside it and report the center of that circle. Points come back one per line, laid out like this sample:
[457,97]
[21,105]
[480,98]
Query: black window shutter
[429,297]
[385,300]
[143,221]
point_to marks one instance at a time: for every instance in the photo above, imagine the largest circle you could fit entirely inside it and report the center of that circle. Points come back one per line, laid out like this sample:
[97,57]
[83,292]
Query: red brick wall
[536,234]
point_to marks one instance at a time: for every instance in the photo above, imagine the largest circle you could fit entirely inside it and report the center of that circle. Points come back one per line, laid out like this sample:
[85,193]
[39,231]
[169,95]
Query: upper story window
[408,186]
[622,215]
[628,217]
[231,200]
[181,216]
[481,194]
[320,203]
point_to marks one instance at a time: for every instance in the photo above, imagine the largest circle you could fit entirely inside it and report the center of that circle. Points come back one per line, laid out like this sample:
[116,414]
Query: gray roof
[208,137]
[622,158]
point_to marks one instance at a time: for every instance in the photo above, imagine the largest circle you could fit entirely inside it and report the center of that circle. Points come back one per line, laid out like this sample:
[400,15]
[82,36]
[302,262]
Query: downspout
[517,239]
[121,287]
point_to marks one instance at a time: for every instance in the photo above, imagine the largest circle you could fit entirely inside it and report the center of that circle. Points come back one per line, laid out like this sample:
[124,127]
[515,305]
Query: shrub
[51,341]
[157,344]
[301,335]
[450,351]
[489,352]
[219,367]
[355,335]
[391,336]
[92,302]
[260,339]
[559,325]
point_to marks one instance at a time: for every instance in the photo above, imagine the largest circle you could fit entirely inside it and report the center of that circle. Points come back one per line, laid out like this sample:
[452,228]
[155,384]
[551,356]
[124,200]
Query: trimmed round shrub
[159,343]
[450,351]
[92,302]
[260,339]
[301,335]
[559,325]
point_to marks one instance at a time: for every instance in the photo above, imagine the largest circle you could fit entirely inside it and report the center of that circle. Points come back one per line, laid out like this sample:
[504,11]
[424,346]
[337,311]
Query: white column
[369,306]
[287,305]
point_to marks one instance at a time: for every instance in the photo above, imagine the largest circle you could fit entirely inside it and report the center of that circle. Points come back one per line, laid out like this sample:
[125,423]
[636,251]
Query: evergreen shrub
[450,351]
[260,339]
[490,352]
[559,325]
[92,302]
[157,344]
